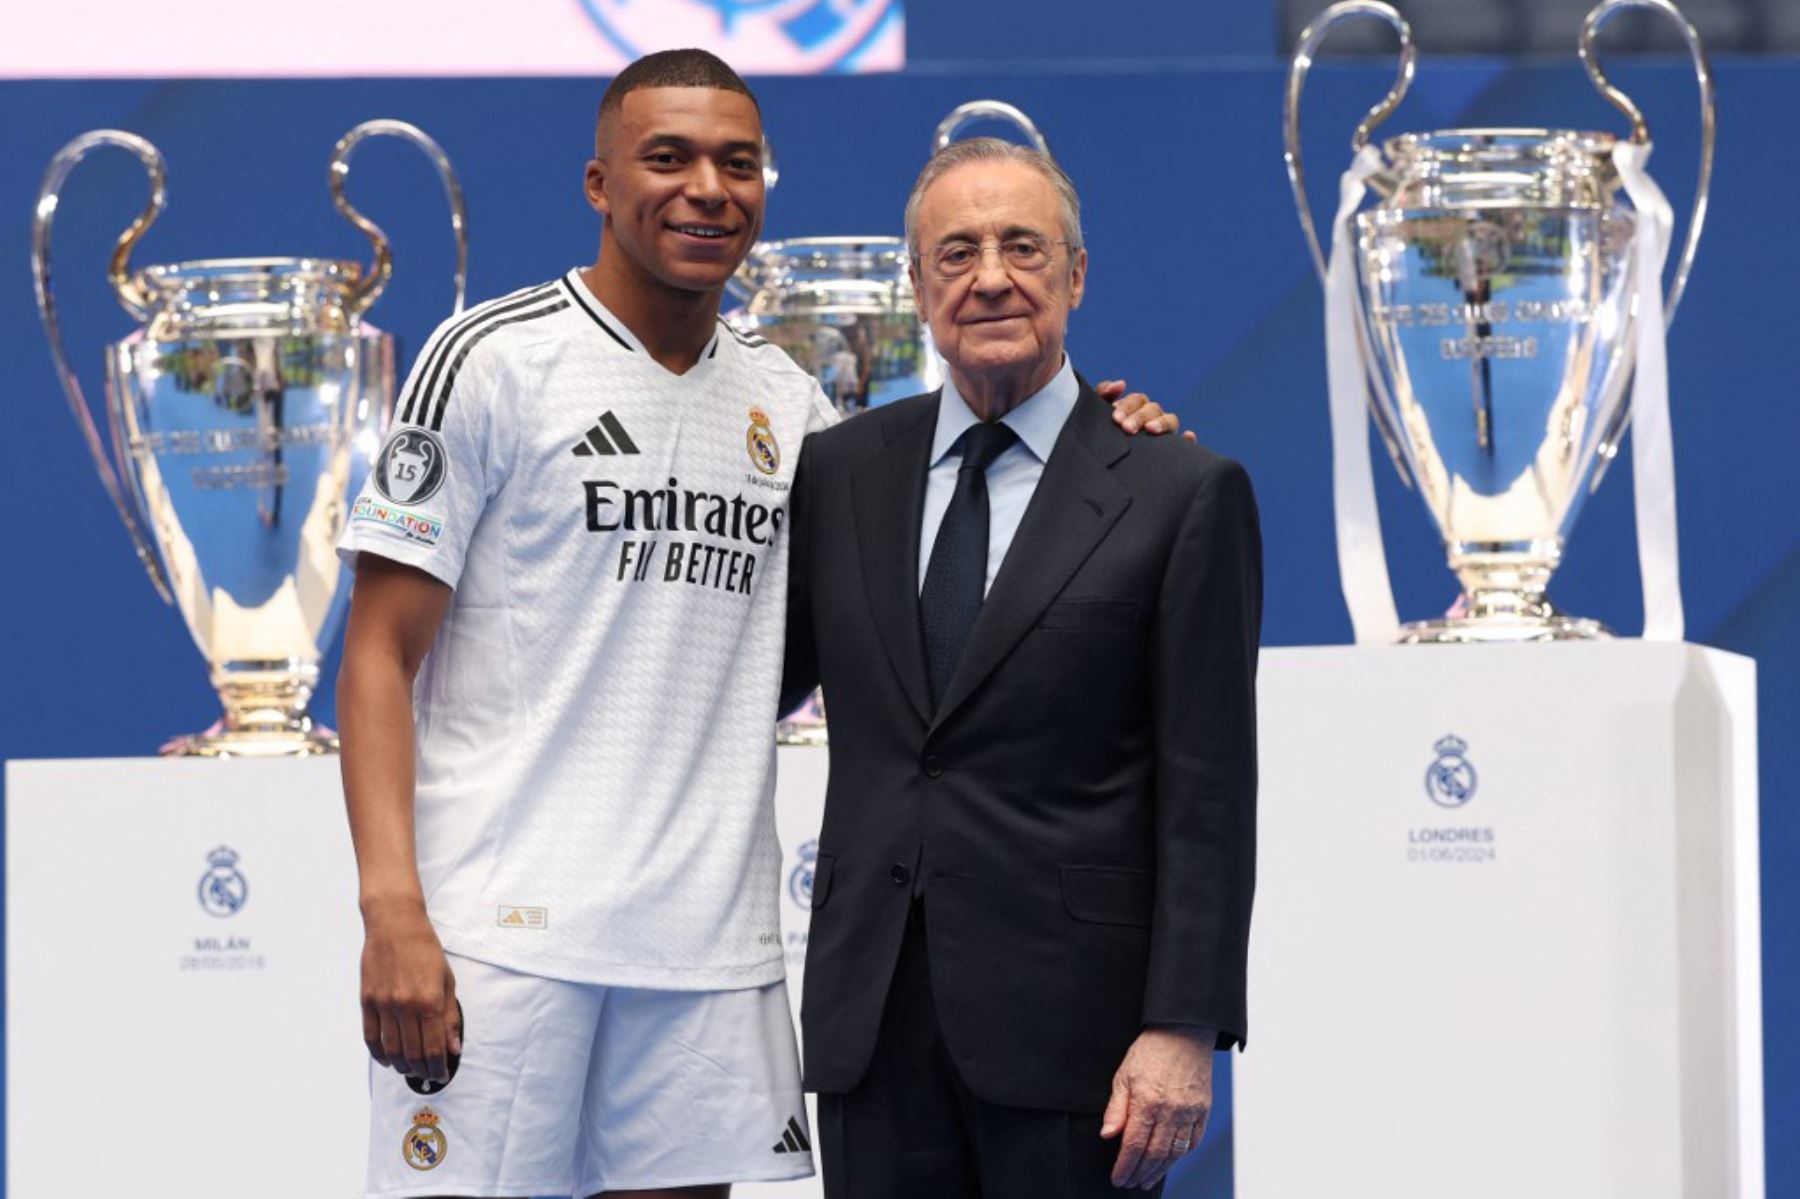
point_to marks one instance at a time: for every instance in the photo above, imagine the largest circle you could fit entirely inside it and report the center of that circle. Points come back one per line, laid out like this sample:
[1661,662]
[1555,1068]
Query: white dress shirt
[1011,478]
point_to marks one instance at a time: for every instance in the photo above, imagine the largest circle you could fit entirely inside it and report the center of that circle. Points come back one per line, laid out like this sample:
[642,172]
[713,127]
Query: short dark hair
[673,68]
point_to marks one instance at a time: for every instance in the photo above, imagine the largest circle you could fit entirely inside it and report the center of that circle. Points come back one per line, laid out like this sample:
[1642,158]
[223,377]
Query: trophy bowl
[247,409]
[1496,297]
[244,412]
[1497,278]
[842,308]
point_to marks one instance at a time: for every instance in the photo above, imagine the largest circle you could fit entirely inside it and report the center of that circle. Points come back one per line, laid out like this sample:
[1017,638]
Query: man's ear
[594,184]
[918,284]
[1077,277]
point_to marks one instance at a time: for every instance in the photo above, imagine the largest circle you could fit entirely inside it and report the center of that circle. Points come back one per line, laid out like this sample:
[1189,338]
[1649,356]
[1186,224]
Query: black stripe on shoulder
[434,365]
[750,340]
[443,399]
[581,302]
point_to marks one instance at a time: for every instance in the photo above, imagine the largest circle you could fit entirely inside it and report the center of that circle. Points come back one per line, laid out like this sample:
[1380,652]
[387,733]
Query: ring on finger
[1181,1144]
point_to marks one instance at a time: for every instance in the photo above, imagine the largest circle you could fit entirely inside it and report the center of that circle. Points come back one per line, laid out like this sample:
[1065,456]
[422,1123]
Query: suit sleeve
[800,665]
[1203,671]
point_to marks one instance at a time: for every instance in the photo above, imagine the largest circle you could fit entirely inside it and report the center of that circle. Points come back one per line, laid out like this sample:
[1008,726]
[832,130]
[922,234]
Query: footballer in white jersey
[558,698]
[595,778]
[557,702]
[594,789]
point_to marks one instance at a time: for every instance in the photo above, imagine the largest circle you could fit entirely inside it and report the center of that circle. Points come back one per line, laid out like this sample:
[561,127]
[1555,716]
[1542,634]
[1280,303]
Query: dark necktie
[957,577]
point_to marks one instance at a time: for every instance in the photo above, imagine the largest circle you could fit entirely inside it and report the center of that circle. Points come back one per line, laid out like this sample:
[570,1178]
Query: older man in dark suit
[1037,640]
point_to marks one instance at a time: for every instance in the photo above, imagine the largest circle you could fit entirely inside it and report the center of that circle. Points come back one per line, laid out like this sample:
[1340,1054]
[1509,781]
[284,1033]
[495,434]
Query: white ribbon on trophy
[1652,442]
[1362,558]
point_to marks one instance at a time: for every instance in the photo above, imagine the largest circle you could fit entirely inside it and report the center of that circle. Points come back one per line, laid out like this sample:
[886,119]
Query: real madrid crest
[1450,780]
[223,888]
[800,879]
[424,1145]
[765,452]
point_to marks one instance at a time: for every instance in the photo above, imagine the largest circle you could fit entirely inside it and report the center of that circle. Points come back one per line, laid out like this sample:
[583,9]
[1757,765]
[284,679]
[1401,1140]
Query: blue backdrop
[1200,292]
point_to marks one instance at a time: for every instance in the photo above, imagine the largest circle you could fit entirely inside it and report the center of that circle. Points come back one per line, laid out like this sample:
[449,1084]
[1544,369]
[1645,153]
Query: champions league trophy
[244,413]
[1490,310]
[842,307]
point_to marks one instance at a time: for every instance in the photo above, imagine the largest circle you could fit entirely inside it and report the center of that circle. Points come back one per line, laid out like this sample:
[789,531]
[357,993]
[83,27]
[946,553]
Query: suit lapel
[1076,504]
[888,493]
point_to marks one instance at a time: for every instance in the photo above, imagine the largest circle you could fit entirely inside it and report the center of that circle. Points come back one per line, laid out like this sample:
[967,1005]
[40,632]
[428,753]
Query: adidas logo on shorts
[598,440]
[793,1139]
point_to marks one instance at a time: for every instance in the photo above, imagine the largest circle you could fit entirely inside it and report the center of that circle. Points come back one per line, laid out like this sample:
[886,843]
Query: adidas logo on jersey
[793,1139]
[524,918]
[607,436]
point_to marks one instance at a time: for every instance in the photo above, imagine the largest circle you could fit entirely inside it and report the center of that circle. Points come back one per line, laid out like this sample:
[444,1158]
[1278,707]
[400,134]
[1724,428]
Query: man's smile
[700,230]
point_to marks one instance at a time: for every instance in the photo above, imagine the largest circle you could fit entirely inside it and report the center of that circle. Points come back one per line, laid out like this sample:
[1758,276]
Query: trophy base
[805,725]
[302,740]
[1503,600]
[792,732]
[1503,630]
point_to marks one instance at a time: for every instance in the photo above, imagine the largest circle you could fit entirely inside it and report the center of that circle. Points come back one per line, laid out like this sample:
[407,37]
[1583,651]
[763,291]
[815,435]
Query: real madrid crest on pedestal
[1450,781]
[223,888]
[800,879]
[424,1147]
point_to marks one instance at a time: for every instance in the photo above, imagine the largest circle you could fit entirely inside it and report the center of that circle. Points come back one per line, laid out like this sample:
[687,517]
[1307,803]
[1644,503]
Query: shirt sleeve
[821,414]
[439,467]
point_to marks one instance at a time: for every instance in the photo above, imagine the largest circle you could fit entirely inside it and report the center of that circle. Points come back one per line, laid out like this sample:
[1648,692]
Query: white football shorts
[570,1088]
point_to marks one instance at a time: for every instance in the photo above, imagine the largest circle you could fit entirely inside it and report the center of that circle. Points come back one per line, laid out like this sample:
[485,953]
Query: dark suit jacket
[1082,801]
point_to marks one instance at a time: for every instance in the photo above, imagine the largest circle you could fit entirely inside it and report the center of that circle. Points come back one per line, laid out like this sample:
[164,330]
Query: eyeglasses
[1024,252]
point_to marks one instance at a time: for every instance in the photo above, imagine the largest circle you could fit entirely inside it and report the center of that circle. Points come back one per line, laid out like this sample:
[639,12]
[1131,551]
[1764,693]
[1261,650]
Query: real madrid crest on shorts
[424,1146]
[410,468]
[765,453]
[1451,779]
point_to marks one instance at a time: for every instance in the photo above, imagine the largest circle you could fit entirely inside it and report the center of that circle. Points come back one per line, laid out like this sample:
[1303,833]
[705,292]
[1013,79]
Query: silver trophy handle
[1640,130]
[370,287]
[771,169]
[976,110]
[133,297]
[1310,37]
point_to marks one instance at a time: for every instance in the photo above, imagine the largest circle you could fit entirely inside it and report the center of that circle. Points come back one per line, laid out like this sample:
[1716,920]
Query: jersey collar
[1038,420]
[611,325]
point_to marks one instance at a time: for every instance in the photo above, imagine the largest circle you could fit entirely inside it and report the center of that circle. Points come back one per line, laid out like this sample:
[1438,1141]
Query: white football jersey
[596,759]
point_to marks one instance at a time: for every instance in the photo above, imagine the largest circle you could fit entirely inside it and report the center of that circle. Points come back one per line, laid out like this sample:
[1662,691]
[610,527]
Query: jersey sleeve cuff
[433,562]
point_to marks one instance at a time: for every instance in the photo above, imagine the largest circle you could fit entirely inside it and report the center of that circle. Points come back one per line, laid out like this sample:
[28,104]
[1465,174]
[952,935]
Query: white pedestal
[169,1038]
[1550,988]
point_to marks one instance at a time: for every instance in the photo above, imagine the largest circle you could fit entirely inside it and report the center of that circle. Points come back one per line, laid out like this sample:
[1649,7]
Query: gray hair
[993,149]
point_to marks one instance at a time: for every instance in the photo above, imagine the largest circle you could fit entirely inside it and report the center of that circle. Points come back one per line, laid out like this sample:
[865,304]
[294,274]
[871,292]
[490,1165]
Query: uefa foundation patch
[414,526]
[424,1147]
